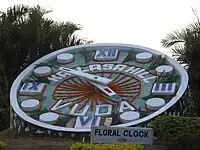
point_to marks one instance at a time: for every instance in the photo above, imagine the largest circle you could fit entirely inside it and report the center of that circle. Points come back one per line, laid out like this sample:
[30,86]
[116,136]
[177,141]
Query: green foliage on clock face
[159,60]
[40,111]
[130,57]
[33,78]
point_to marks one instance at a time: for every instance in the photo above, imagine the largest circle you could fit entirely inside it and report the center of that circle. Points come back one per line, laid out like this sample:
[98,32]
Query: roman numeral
[106,54]
[34,88]
[164,89]
[87,121]
[31,86]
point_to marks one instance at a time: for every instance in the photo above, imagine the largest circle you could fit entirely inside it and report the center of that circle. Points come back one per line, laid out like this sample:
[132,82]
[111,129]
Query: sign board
[121,135]
[78,87]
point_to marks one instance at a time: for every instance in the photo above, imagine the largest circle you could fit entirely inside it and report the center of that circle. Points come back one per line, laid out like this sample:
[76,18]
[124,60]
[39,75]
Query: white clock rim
[28,70]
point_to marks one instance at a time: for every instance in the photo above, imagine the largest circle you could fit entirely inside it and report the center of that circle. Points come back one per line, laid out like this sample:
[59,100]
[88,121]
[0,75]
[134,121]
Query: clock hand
[108,91]
[91,77]
[98,82]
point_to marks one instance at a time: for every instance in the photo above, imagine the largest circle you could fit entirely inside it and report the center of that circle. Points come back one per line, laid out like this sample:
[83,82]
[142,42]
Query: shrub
[3,145]
[178,132]
[79,146]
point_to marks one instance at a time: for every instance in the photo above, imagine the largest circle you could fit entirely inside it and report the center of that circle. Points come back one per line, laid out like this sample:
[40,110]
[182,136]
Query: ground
[45,143]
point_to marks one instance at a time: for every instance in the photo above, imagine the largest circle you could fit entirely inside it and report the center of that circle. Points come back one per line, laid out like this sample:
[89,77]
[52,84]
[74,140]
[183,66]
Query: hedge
[79,146]
[178,132]
[3,145]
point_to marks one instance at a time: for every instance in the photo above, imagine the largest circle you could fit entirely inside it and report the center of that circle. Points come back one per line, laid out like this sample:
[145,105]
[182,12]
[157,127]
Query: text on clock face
[140,73]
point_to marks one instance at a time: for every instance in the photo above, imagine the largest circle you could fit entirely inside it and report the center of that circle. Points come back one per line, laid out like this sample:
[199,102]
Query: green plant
[159,60]
[3,145]
[177,131]
[130,57]
[184,44]
[79,146]
[27,34]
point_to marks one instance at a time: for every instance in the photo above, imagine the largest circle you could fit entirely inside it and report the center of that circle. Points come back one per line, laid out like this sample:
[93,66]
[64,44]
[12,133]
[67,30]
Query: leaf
[86,56]
[158,61]
[130,57]
[173,38]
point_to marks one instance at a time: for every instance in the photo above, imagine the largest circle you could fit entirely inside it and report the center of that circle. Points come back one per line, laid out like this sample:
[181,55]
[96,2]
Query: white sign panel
[121,135]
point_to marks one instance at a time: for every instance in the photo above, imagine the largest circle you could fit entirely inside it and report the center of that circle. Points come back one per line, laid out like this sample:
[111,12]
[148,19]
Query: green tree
[185,45]
[26,34]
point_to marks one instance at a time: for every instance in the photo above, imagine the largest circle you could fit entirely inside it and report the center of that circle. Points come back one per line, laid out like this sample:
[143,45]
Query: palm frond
[186,50]
[195,26]
[15,14]
[174,38]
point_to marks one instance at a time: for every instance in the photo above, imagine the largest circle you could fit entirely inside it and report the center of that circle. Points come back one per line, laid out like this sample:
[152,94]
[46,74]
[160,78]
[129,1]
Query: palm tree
[185,45]
[26,34]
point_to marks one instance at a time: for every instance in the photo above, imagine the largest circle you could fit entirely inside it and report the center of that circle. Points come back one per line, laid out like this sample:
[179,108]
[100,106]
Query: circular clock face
[98,84]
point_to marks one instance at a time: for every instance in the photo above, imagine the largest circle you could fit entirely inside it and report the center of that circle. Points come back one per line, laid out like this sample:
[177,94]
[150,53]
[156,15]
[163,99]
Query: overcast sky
[140,22]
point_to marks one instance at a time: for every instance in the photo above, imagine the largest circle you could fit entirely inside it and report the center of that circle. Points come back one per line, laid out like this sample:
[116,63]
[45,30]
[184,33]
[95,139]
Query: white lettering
[108,66]
[119,67]
[63,74]
[141,76]
[124,105]
[140,71]
[55,78]
[87,121]
[80,69]
[96,67]
[58,105]
[132,70]
[146,80]
[107,107]
[73,110]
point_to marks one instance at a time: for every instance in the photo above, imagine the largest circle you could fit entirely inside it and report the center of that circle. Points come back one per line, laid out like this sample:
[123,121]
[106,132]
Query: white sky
[141,22]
